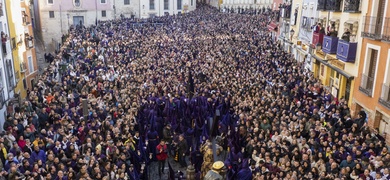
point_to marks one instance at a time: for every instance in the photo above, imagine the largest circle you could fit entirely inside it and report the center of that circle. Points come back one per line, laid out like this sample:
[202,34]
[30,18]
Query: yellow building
[336,44]
[372,94]
[21,31]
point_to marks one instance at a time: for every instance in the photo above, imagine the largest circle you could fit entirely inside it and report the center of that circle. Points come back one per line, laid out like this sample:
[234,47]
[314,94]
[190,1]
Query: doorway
[78,21]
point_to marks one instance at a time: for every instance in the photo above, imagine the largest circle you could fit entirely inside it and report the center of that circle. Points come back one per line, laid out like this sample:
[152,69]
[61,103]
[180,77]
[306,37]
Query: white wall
[159,7]
[127,10]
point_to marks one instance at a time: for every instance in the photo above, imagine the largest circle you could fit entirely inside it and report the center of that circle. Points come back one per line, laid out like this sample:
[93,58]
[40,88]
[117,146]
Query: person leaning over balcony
[3,41]
[346,35]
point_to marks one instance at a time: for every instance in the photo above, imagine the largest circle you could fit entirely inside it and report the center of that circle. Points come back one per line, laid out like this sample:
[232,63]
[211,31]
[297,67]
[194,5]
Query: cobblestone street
[153,171]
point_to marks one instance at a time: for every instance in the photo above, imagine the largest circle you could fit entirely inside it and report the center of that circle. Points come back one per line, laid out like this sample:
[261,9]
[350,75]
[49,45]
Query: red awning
[272,26]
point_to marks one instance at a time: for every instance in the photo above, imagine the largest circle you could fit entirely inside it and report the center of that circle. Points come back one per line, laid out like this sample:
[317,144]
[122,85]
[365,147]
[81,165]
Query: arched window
[77,3]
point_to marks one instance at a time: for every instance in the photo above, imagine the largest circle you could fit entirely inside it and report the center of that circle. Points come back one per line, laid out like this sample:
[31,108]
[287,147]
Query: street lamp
[68,20]
[292,32]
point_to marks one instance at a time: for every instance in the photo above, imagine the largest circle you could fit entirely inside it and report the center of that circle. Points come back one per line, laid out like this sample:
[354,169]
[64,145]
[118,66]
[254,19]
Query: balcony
[285,11]
[25,18]
[386,30]
[29,42]
[346,51]
[321,6]
[329,45]
[366,85]
[385,96]
[372,27]
[272,26]
[352,6]
[23,67]
[333,5]
[318,38]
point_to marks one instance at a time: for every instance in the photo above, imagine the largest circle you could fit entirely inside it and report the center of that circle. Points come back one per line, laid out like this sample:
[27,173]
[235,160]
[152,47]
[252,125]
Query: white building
[246,4]
[150,8]
[56,16]
[7,77]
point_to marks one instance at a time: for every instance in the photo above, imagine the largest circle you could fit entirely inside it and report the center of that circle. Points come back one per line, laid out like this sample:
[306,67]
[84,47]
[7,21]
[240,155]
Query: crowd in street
[150,89]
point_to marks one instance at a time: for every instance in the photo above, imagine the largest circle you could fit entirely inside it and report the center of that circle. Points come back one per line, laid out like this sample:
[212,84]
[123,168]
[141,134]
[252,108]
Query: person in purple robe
[245,172]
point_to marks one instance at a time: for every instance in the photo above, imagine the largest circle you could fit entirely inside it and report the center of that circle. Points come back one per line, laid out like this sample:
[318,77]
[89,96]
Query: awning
[272,26]
[348,76]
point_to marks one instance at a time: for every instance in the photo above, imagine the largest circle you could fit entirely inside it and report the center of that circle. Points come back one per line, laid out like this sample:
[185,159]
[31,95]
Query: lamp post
[292,32]
[68,15]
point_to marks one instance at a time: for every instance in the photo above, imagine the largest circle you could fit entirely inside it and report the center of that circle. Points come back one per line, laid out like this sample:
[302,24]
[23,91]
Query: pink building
[276,3]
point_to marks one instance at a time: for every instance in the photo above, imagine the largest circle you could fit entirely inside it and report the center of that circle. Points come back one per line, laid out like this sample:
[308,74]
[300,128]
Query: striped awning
[272,26]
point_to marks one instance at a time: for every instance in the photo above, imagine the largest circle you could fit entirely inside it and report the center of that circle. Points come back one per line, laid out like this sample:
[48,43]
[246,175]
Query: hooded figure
[245,173]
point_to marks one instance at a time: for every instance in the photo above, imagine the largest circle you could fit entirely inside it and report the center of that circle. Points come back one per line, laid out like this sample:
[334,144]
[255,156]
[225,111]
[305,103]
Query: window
[103,13]
[178,4]
[10,74]
[385,93]
[1,89]
[166,4]
[24,83]
[25,18]
[103,1]
[1,9]
[151,4]
[49,1]
[1,80]
[13,43]
[192,2]
[127,2]
[77,3]
[30,65]
[368,75]
[51,14]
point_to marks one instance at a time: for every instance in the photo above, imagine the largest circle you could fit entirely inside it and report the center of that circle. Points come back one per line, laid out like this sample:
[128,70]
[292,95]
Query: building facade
[372,93]
[246,4]
[7,75]
[57,16]
[335,44]
[26,48]
[300,32]
[216,3]
[151,8]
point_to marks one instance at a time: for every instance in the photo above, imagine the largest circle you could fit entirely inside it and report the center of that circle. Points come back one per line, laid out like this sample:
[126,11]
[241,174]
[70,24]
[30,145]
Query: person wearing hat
[214,173]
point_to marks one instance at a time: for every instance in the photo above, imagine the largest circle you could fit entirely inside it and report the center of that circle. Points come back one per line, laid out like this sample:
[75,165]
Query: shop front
[331,72]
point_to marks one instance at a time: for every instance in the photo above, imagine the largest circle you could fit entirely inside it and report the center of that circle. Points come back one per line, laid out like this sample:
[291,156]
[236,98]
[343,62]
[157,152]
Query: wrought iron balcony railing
[285,11]
[321,6]
[366,85]
[385,96]
[386,30]
[333,5]
[372,27]
[352,6]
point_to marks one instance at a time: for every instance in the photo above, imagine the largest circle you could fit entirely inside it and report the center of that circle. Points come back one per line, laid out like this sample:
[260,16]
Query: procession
[202,95]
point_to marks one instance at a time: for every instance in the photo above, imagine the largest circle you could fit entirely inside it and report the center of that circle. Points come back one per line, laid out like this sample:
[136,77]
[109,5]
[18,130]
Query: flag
[171,175]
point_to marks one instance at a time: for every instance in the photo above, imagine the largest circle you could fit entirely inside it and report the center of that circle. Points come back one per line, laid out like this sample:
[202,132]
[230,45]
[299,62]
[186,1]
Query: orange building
[372,90]
[29,68]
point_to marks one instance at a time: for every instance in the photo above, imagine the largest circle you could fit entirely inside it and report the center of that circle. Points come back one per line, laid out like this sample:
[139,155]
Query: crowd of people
[137,92]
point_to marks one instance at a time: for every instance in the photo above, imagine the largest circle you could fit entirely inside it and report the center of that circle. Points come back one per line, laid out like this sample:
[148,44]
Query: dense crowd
[159,81]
